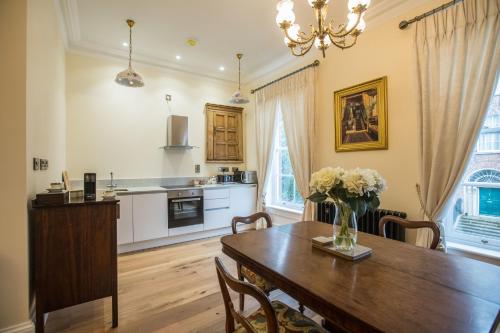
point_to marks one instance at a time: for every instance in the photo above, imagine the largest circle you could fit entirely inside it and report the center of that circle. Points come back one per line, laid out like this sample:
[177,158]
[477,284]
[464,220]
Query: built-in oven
[185,211]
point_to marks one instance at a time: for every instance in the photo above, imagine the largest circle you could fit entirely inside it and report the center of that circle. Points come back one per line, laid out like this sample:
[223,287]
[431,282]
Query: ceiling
[221,27]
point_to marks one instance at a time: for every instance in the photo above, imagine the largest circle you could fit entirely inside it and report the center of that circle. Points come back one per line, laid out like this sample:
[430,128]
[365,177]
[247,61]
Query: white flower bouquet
[353,192]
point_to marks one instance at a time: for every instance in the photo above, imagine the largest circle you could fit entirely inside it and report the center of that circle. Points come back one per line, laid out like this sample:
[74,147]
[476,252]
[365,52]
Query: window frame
[274,186]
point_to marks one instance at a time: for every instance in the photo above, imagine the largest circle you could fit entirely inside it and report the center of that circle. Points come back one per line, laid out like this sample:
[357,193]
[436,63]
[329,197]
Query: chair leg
[301,308]
[242,302]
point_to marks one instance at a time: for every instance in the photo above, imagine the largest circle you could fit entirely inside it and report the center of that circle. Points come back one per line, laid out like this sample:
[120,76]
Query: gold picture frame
[361,116]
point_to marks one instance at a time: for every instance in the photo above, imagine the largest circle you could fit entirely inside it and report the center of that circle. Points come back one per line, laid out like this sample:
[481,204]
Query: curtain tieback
[422,204]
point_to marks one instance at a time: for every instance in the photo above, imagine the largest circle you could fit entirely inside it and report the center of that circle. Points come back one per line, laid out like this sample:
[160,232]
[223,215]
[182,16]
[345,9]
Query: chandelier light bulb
[286,15]
[362,25]
[284,5]
[352,18]
[355,3]
[293,31]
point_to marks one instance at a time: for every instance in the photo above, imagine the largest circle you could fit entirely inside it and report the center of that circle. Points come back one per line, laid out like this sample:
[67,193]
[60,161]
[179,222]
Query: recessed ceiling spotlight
[221,68]
[125,44]
[178,57]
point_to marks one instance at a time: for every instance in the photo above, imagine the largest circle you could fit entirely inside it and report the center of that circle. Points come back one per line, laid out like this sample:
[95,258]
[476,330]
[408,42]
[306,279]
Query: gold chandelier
[324,35]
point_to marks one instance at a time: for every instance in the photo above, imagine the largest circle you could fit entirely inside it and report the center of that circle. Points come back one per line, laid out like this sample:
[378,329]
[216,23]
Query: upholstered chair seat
[289,321]
[257,280]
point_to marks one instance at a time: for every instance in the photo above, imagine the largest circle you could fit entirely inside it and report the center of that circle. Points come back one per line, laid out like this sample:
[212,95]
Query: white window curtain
[458,58]
[295,96]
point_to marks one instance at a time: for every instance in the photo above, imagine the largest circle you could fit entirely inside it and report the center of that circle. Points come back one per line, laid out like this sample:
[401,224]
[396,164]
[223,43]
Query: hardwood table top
[399,288]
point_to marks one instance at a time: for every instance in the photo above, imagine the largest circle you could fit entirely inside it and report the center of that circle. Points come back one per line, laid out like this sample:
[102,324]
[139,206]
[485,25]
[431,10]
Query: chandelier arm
[340,34]
[302,51]
[344,46]
[304,40]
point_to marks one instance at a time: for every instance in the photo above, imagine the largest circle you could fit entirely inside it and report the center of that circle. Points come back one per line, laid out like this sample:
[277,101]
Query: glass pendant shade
[284,5]
[129,77]
[352,19]
[238,97]
[285,15]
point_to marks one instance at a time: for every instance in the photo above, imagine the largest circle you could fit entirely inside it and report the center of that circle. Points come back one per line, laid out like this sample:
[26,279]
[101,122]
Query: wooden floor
[170,289]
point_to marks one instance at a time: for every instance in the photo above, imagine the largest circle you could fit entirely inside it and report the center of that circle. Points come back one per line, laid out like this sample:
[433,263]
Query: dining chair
[411,225]
[271,317]
[243,272]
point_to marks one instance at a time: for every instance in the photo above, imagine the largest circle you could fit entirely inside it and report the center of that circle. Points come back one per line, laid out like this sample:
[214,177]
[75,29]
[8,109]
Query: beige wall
[120,129]
[46,100]
[32,104]
[382,51]
[13,225]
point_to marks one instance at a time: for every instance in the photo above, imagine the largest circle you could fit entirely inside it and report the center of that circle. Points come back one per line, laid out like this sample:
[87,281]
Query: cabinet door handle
[212,209]
[185,200]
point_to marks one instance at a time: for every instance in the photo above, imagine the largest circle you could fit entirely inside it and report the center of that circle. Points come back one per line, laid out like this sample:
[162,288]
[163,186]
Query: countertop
[159,189]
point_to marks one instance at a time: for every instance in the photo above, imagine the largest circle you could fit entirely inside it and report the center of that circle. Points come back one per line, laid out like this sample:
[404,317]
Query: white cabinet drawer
[216,203]
[216,194]
[217,218]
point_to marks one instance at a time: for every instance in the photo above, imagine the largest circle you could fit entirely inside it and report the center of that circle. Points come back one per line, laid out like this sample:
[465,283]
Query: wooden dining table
[399,288]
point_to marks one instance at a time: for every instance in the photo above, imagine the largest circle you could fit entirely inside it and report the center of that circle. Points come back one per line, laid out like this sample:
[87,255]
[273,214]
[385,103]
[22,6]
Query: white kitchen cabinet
[217,218]
[125,226]
[150,216]
[243,200]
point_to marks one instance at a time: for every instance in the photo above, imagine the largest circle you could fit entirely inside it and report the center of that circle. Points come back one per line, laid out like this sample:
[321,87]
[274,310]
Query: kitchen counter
[159,189]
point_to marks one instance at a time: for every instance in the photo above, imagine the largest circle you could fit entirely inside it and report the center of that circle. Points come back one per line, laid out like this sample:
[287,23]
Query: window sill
[474,250]
[285,209]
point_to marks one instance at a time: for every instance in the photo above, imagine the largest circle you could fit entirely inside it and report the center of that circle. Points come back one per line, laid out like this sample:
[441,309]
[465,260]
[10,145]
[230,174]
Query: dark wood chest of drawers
[75,255]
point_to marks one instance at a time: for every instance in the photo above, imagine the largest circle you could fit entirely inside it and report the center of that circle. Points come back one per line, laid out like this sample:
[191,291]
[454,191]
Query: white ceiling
[222,28]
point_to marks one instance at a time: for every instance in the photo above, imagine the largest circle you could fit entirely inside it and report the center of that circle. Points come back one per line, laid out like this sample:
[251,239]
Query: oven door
[183,212]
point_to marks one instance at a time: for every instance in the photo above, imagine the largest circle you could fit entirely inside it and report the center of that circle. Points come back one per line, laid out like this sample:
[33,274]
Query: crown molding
[67,11]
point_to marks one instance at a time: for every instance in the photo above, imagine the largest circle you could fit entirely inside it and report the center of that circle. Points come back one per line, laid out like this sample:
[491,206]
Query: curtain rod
[314,64]
[404,24]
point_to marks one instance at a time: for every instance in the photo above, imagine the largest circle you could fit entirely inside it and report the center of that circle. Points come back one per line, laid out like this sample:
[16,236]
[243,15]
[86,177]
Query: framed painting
[361,116]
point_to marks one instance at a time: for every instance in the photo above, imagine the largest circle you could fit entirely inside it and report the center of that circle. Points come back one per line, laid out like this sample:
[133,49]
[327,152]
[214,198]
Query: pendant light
[237,97]
[129,77]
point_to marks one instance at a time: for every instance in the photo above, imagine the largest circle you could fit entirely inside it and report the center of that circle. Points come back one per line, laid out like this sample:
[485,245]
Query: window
[282,191]
[474,218]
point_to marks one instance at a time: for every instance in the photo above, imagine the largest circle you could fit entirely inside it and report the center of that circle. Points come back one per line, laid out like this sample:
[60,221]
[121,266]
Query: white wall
[120,129]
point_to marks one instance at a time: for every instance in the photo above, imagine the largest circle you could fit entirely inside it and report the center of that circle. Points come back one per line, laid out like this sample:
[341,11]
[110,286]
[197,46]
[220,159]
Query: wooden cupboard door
[150,214]
[125,226]
[224,133]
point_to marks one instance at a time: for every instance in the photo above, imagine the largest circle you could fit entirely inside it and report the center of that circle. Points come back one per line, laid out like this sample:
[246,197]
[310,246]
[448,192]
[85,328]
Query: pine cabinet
[224,133]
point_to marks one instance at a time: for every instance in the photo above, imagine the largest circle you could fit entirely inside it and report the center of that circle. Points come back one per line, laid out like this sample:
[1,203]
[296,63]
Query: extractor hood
[177,133]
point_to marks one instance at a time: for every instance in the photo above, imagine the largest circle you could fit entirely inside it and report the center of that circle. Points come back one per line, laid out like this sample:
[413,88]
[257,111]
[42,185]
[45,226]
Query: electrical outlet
[36,163]
[196,168]
[168,98]
[44,164]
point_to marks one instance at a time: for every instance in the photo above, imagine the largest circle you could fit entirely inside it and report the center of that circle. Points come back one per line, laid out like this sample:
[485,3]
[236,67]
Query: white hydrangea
[361,181]
[326,178]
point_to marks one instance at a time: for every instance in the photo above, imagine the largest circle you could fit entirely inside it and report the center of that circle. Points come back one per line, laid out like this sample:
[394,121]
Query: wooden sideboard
[75,255]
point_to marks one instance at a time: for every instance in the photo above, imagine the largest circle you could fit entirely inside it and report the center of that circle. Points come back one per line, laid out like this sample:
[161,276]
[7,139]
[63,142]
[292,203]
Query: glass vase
[345,227]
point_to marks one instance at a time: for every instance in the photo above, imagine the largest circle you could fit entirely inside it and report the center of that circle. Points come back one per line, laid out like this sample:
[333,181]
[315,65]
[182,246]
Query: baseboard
[26,327]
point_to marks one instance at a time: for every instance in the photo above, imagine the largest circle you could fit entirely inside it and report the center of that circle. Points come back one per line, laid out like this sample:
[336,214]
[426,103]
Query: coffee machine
[89,186]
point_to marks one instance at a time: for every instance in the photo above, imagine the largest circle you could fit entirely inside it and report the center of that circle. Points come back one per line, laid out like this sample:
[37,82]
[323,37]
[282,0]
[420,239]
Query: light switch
[36,163]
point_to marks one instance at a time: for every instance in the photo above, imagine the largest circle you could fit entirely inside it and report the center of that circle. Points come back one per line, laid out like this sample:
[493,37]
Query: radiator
[367,223]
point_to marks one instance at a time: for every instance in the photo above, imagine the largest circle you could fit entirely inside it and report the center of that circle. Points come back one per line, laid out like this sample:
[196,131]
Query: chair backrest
[251,219]
[232,315]
[411,225]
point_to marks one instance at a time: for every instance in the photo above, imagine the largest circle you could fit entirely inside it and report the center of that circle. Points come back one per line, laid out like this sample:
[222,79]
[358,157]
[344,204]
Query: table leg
[115,309]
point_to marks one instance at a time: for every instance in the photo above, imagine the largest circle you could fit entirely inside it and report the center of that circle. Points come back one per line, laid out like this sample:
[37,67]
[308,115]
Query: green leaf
[374,203]
[318,197]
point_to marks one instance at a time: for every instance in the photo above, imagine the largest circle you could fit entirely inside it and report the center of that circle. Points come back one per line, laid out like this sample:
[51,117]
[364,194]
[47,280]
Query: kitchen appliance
[246,177]
[89,186]
[185,209]
[177,133]
[223,176]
